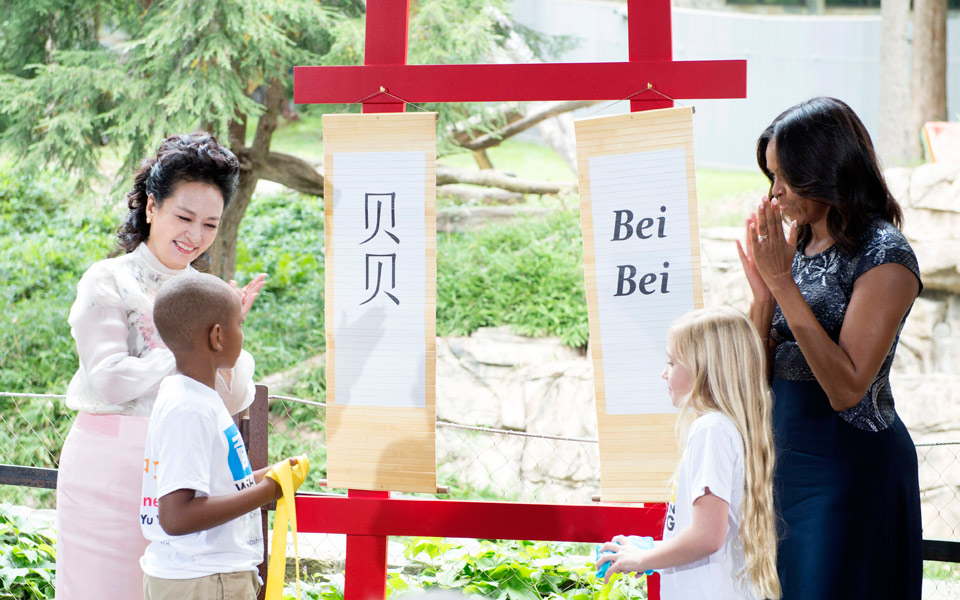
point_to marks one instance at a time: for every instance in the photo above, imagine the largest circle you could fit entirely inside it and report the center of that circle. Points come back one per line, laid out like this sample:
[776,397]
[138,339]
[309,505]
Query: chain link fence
[474,463]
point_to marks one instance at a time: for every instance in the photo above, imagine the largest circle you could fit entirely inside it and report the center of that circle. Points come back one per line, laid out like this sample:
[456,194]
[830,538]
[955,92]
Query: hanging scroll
[641,253]
[380,227]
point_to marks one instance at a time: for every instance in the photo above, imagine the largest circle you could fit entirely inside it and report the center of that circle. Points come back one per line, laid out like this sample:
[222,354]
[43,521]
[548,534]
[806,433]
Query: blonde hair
[726,358]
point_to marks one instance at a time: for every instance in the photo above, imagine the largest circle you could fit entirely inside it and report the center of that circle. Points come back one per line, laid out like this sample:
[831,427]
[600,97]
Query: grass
[526,160]
[302,137]
[724,197]
[527,274]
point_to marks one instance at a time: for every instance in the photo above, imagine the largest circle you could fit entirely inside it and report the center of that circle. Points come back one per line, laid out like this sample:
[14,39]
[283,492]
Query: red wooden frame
[482,83]
[367,518]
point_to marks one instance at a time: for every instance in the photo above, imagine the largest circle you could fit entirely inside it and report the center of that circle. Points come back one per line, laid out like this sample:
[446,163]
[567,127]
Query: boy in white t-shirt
[201,500]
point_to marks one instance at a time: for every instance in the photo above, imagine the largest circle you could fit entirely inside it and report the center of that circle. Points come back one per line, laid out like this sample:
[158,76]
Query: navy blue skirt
[849,502]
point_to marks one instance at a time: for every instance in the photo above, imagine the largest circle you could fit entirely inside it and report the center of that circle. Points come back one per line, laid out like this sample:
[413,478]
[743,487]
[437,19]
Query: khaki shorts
[222,586]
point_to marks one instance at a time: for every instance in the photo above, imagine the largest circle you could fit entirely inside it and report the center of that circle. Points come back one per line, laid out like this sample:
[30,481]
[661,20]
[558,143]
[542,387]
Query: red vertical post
[653,586]
[386,44]
[365,571]
[650,35]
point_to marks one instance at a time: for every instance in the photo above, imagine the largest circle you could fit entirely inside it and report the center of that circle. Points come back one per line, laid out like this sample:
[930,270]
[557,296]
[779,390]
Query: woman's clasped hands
[769,250]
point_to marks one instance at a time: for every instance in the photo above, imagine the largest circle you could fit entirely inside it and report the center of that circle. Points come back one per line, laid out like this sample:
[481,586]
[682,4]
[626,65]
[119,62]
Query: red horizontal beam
[542,81]
[483,520]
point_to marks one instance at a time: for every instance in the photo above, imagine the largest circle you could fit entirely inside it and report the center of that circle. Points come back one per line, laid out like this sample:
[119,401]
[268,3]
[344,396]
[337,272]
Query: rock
[898,182]
[467,218]
[928,185]
[463,396]
[931,226]
[928,404]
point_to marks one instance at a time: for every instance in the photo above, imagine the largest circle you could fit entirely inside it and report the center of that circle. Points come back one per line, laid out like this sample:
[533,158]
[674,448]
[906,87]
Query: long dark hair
[196,157]
[826,155]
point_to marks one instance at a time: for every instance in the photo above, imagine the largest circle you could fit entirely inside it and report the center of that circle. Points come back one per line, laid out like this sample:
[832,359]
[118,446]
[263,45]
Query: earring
[148,219]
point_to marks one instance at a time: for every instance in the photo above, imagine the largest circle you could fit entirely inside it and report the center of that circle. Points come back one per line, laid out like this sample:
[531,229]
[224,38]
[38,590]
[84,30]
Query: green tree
[109,73]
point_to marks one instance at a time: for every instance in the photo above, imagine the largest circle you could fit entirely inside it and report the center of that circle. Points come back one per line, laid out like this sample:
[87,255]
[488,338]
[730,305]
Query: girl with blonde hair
[719,538]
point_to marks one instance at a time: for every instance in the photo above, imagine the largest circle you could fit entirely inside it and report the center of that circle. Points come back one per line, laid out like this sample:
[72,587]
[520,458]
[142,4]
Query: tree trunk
[499,179]
[223,253]
[893,135]
[468,194]
[928,77]
[295,173]
[482,160]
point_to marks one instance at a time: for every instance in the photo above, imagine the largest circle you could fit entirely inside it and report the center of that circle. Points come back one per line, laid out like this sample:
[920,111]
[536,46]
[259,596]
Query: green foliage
[510,570]
[505,570]
[528,275]
[187,64]
[48,244]
[190,64]
[317,586]
[27,561]
[283,237]
[32,30]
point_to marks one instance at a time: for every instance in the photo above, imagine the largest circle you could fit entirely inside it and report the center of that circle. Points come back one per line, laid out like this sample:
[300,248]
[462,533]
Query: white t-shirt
[712,458]
[192,443]
[122,358]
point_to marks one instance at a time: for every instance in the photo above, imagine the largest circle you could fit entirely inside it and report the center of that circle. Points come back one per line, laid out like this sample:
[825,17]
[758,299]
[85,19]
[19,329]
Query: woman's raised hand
[249,292]
[770,250]
[761,293]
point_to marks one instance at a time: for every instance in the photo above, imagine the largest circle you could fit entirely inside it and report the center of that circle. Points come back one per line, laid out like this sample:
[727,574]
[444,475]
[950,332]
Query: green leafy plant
[283,237]
[27,561]
[318,586]
[47,246]
[505,570]
[528,275]
[510,570]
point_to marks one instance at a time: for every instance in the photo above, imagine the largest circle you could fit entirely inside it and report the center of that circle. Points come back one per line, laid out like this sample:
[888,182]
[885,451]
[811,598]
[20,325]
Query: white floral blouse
[122,358]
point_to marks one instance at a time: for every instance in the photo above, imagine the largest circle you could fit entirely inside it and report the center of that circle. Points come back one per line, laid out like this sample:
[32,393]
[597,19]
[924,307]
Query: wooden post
[257,447]
[386,44]
[650,37]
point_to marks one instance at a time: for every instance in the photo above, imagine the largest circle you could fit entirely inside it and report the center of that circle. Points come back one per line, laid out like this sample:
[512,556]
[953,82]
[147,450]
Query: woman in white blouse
[174,213]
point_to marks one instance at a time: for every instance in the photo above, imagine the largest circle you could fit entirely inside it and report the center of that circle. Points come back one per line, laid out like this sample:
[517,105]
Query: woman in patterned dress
[174,214]
[830,296]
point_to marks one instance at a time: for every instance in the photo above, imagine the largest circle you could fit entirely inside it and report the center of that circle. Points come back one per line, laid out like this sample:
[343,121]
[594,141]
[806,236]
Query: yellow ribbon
[289,477]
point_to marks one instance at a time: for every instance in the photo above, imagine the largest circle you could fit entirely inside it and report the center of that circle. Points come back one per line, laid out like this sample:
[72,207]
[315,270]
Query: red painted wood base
[368,518]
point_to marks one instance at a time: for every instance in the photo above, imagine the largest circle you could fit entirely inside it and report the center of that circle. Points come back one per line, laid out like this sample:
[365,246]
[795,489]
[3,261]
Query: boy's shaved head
[188,305]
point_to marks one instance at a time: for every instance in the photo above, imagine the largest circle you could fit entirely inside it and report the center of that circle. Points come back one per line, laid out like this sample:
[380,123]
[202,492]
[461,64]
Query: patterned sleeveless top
[826,283]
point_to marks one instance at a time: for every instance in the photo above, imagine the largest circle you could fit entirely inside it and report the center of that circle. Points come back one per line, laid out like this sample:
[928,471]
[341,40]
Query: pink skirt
[99,543]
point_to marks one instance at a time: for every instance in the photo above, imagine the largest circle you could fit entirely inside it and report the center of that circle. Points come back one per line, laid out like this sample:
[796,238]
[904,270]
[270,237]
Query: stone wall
[497,379]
